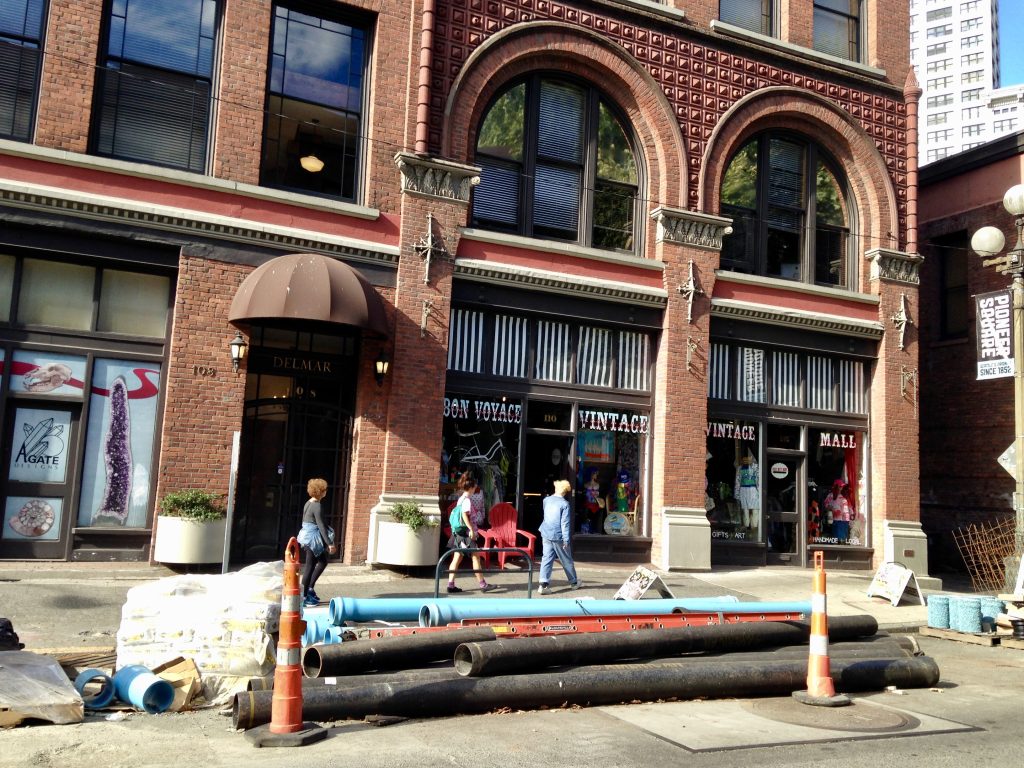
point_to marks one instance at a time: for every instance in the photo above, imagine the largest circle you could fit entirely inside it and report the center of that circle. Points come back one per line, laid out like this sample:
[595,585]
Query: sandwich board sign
[641,580]
[891,581]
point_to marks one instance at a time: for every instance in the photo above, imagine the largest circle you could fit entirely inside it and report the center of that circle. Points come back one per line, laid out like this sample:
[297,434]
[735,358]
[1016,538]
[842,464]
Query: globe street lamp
[987,242]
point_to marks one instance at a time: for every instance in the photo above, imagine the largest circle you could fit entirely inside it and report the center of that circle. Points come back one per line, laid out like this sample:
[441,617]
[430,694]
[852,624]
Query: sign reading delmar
[995,334]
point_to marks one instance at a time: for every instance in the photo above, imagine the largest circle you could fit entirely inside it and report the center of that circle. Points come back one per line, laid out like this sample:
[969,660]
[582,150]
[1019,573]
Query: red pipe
[423,91]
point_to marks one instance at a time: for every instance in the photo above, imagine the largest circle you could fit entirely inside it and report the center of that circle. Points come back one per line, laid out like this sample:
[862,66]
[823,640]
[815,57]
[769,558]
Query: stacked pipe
[642,665]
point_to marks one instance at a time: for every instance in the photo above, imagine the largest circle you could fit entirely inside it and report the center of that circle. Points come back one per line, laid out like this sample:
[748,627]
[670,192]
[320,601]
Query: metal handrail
[489,550]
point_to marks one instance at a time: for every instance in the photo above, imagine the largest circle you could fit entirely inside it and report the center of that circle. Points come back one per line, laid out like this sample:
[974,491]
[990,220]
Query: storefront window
[117,471]
[610,448]
[481,435]
[132,302]
[56,294]
[837,508]
[732,490]
[6,286]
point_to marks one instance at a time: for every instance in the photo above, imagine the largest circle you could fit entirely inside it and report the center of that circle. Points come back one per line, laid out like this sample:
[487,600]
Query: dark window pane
[22,18]
[556,202]
[783,252]
[614,206]
[560,133]
[739,249]
[615,159]
[501,134]
[786,175]
[739,185]
[19,81]
[830,256]
[829,202]
[312,137]
[837,28]
[153,117]
[755,15]
[496,199]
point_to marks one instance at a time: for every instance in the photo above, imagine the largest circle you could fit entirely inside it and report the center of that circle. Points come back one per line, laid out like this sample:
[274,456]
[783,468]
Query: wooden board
[1009,642]
[963,637]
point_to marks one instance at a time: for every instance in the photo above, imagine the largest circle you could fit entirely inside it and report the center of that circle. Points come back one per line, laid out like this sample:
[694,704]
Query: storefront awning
[308,286]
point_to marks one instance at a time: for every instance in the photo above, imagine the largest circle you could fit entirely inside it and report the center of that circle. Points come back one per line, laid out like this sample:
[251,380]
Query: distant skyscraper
[954,48]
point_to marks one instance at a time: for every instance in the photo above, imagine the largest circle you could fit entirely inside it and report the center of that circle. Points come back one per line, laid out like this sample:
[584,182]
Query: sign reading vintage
[994,313]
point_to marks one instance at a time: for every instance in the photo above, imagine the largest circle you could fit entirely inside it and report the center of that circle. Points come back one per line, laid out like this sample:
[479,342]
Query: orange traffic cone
[286,728]
[820,689]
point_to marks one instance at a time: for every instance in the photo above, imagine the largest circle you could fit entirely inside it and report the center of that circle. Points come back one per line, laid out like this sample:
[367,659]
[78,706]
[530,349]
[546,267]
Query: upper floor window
[939,101]
[755,15]
[954,298]
[943,30]
[21,38]
[935,49]
[970,41]
[837,28]
[970,24]
[791,217]
[939,14]
[313,136]
[557,163]
[154,88]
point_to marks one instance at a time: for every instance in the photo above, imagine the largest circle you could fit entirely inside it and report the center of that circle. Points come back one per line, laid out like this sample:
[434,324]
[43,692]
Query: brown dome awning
[308,286]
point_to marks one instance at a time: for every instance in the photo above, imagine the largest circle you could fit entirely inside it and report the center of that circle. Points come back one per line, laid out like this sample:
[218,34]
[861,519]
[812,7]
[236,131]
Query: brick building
[664,250]
[966,423]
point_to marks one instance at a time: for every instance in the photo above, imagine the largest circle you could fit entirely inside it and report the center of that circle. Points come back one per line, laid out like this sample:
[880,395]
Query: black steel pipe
[507,656]
[587,686]
[403,652]
[433,672]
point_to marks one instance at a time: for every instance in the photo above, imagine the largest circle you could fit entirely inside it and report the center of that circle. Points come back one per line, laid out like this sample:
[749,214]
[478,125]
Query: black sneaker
[452,589]
[487,587]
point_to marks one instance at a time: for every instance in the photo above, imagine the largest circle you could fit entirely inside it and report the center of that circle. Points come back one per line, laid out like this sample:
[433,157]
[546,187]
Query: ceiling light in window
[311,163]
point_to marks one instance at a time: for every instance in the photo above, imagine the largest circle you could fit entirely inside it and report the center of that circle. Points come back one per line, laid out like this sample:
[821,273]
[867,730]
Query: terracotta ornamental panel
[700,80]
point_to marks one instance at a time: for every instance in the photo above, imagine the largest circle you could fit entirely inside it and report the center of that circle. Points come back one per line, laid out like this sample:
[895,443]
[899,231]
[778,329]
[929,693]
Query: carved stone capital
[895,266]
[436,178]
[688,228]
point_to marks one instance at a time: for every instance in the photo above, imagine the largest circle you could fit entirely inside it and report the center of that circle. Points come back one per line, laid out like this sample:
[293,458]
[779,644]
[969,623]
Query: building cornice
[725,276]
[795,318]
[83,205]
[546,281]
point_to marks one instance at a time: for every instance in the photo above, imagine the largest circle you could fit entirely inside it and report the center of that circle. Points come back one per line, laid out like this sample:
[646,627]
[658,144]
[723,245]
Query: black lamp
[237,347]
[380,368]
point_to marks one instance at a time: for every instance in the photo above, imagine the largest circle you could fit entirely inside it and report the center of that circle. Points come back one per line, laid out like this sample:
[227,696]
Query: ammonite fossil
[33,519]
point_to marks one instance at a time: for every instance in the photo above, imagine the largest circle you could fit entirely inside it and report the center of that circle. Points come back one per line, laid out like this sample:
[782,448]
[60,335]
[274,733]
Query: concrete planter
[398,545]
[183,541]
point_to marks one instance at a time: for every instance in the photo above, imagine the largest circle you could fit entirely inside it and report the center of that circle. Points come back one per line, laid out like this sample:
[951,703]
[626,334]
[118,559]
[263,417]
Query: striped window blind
[511,335]
[718,371]
[750,375]
[594,358]
[820,380]
[786,379]
[851,387]
[634,360]
[554,352]
[465,341]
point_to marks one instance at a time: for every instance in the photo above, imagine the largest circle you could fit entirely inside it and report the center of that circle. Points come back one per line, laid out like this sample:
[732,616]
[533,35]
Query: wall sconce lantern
[237,347]
[380,368]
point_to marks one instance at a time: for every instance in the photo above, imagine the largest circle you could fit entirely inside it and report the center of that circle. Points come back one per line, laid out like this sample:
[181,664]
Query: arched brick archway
[562,48]
[819,119]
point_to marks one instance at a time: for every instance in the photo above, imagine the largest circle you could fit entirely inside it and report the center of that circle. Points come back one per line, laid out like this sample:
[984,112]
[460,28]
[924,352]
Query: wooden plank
[1009,642]
[963,637]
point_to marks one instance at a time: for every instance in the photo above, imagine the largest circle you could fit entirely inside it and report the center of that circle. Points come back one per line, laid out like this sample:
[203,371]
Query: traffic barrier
[286,728]
[821,690]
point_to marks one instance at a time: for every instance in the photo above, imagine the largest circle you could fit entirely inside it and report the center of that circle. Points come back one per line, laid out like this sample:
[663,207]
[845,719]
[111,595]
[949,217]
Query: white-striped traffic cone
[820,689]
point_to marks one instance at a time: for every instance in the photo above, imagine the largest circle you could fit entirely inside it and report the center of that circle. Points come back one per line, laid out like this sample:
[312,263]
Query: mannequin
[748,491]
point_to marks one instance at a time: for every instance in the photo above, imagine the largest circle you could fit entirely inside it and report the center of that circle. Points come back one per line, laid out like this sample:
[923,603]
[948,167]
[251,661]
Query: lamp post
[987,242]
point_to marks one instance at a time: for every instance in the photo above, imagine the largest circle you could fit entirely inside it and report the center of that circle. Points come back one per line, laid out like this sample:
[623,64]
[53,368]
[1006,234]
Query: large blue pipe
[317,621]
[345,609]
[448,611]
[142,689]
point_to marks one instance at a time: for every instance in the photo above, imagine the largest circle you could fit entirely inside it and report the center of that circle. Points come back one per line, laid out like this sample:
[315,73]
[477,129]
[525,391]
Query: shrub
[409,512]
[192,504]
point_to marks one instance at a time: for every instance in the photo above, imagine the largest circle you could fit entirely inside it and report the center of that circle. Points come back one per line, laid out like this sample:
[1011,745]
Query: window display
[836,499]
[732,490]
[481,435]
[610,449]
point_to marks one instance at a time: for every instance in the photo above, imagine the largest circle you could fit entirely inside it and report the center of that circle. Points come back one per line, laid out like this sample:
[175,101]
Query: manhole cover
[858,717]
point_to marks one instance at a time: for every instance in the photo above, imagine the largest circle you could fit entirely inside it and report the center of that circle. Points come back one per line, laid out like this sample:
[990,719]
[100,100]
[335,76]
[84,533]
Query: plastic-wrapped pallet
[223,623]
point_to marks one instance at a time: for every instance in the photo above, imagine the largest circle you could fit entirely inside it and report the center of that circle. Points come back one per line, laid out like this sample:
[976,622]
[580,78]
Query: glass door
[783,502]
[39,461]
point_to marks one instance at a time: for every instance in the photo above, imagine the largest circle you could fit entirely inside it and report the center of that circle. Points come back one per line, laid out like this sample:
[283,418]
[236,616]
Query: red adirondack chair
[505,533]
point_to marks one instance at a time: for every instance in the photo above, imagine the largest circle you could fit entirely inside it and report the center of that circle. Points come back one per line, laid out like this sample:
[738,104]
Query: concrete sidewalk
[68,605]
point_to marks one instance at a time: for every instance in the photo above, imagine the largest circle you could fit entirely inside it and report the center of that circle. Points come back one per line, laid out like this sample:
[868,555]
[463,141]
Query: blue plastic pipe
[139,687]
[332,635]
[442,613]
[345,609]
[100,698]
[317,621]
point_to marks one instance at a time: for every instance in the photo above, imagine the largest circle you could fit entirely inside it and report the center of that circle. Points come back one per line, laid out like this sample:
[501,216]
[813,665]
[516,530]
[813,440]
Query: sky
[1011,42]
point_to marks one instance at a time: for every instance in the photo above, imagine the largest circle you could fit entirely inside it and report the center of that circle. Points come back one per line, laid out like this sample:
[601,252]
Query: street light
[987,242]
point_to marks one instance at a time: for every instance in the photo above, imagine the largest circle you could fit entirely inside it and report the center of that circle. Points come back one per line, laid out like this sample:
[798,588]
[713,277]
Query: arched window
[558,164]
[791,214]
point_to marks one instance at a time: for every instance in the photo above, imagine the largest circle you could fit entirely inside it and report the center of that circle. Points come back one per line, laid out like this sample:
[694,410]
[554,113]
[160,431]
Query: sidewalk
[68,605]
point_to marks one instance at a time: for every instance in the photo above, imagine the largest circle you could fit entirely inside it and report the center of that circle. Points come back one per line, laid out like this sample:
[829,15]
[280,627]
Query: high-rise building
[954,47]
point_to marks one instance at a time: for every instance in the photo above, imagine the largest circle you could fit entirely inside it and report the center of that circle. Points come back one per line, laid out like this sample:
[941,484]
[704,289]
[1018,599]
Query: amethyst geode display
[117,458]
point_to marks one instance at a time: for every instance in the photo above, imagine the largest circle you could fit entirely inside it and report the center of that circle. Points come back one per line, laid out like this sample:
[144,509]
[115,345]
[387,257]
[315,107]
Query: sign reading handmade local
[994,312]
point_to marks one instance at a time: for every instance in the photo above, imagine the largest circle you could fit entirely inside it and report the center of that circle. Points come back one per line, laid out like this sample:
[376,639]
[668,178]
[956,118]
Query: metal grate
[984,547]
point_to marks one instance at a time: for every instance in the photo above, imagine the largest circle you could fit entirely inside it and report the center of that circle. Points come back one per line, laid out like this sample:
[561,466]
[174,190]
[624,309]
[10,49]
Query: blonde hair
[317,487]
[562,487]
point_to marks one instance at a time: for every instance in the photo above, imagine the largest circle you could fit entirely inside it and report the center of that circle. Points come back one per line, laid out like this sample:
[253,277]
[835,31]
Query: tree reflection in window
[787,222]
[557,163]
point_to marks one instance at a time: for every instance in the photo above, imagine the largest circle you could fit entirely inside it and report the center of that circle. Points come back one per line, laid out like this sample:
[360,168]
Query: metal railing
[497,569]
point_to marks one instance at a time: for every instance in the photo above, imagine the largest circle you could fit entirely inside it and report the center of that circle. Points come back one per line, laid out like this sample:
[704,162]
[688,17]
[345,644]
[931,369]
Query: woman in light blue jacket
[555,535]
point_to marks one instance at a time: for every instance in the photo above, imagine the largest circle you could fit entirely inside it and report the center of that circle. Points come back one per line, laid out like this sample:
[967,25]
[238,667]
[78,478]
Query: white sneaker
[577,585]
[543,589]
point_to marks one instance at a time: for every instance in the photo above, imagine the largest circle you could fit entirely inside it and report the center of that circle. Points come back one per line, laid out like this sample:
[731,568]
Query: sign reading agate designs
[994,312]
[39,453]
[119,441]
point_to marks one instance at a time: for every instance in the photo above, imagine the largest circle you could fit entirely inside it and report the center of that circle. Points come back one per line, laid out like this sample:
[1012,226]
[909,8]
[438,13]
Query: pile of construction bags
[224,623]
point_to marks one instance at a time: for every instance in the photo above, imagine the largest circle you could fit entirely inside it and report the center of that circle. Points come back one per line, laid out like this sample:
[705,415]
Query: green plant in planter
[192,504]
[409,512]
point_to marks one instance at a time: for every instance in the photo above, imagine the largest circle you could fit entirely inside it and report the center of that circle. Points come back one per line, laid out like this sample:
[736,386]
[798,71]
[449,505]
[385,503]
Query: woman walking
[317,540]
[464,533]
